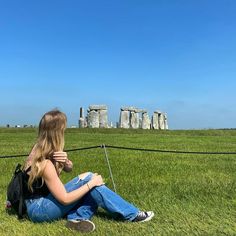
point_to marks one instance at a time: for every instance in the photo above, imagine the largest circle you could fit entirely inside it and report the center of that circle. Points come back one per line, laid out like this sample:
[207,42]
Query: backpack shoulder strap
[21,200]
[28,169]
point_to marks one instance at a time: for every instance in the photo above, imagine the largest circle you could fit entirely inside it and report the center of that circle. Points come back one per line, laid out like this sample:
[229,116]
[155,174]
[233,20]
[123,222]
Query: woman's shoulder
[47,164]
[48,167]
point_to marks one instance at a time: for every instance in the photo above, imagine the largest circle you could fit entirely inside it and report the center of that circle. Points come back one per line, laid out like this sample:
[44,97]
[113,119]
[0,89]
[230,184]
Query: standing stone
[81,112]
[103,121]
[93,119]
[81,118]
[155,120]
[145,121]
[81,123]
[124,119]
[85,122]
[134,120]
[165,121]
[161,121]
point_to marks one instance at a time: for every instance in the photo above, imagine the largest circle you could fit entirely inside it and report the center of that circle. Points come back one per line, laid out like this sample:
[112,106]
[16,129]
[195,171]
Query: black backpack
[15,192]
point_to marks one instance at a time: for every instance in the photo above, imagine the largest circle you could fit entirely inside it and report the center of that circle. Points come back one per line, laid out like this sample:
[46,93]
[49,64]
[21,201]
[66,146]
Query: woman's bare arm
[58,190]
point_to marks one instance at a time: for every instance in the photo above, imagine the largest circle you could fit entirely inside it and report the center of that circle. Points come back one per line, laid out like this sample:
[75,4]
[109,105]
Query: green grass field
[190,194]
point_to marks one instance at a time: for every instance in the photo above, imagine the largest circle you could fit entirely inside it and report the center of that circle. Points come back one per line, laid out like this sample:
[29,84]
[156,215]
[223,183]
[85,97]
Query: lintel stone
[97,107]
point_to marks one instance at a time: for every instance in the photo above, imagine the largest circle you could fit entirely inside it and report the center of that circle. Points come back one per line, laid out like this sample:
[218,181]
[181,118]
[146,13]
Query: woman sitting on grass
[47,199]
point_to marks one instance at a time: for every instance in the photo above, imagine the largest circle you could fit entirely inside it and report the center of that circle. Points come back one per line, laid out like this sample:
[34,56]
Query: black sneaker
[143,216]
[83,226]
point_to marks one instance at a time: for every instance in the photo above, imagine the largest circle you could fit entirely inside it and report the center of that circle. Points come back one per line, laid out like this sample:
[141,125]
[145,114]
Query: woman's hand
[61,157]
[96,180]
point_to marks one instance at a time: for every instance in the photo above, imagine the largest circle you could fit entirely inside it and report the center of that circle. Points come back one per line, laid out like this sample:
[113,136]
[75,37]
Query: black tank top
[39,189]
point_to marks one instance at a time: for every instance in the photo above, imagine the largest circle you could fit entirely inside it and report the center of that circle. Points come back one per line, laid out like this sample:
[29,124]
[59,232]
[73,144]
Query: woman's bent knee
[85,175]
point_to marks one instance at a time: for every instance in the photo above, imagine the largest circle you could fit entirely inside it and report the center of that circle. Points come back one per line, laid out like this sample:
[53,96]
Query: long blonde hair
[50,139]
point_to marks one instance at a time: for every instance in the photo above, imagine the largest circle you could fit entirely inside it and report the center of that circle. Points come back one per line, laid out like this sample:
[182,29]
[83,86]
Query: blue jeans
[48,208]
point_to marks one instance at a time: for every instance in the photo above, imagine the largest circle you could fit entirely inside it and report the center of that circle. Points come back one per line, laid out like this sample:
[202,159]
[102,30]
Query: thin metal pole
[109,166]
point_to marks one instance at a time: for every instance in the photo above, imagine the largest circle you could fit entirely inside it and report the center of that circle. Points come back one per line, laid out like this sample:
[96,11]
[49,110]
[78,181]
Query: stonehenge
[159,120]
[130,118]
[96,117]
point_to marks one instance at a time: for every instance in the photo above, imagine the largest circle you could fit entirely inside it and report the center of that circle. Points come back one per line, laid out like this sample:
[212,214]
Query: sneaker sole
[83,226]
[148,218]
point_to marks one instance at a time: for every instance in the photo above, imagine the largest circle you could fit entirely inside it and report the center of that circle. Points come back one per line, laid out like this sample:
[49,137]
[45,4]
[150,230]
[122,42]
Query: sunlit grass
[190,194]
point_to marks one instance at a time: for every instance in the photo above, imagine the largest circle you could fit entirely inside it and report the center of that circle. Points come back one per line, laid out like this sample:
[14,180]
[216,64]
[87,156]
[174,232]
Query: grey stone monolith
[165,120]
[124,119]
[161,121]
[81,112]
[85,122]
[93,119]
[155,120]
[81,118]
[81,123]
[134,119]
[145,121]
[103,120]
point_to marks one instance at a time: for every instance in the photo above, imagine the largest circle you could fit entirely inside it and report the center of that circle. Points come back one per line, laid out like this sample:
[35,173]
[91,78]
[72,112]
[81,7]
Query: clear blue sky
[178,56]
